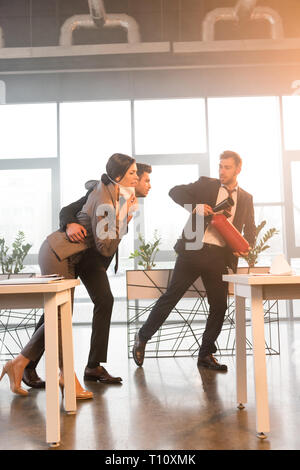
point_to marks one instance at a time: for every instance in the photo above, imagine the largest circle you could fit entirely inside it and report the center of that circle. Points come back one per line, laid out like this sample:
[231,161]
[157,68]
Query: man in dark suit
[209,260]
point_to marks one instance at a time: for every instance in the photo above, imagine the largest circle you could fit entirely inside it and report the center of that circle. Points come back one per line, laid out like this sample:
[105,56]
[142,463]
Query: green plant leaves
[146,252]
[259,246]
[13,262]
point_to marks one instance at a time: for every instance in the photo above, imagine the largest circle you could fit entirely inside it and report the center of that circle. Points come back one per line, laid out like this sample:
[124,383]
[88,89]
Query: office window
[291,119]
[251,127]
[161,212]
[273,216]
[170,126]
[26,205]
[28,130]
[295,171]
[90,132]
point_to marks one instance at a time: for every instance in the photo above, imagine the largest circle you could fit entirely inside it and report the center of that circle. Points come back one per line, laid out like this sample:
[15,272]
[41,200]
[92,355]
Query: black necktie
[230,191]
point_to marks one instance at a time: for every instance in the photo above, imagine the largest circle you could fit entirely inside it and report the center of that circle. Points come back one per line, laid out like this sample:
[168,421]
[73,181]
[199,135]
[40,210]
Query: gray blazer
[98,216]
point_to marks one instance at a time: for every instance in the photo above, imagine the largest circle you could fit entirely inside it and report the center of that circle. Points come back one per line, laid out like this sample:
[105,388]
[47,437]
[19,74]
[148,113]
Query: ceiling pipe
[97,12]
[270,15]
[96,19]
[72,24]
[244,9]
[213,17]
[126,22]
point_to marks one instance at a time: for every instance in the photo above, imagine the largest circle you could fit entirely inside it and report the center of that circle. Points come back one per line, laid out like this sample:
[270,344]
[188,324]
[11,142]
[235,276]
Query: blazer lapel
[214,193]
[239,207]
[112,193]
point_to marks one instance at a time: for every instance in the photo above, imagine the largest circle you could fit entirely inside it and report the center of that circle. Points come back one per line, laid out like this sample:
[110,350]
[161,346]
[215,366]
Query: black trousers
[91,267]
[209,263]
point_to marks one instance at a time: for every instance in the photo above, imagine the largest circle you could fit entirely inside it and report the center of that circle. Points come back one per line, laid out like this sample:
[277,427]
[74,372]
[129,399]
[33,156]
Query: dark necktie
[230,192]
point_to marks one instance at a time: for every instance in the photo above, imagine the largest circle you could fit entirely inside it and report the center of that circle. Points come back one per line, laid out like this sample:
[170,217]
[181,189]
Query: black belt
[211,246]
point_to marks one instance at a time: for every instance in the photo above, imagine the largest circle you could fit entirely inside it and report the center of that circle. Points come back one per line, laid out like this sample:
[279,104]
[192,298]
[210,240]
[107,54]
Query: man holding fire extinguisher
[211,257]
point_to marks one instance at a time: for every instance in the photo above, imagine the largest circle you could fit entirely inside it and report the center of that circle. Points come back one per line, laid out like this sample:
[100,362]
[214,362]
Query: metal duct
[212,17]
[270,15]
[127,22]
[243,9]
[71,24]
[99,18]
[97,11]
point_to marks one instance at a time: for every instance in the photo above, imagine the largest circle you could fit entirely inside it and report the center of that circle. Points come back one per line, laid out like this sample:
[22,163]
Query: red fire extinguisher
[231,235]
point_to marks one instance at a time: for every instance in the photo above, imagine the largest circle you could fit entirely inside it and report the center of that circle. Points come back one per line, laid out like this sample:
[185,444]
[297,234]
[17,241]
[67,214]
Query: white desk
[49,297]
[257,288]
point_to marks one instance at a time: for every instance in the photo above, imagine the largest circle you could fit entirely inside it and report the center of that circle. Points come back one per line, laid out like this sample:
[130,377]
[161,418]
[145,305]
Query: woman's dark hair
[116,166]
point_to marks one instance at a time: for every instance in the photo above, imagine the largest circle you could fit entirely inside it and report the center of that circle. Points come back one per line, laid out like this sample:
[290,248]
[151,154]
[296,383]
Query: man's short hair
[143,168]
[231,154]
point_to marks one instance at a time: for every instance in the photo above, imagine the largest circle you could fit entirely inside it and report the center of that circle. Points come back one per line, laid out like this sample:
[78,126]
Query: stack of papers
[32,280]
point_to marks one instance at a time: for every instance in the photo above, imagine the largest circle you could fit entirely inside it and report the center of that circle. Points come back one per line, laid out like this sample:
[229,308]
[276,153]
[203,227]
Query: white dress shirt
[211,235]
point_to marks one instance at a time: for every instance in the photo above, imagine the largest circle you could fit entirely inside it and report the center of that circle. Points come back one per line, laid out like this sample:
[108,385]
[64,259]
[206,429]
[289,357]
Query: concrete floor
[167,405]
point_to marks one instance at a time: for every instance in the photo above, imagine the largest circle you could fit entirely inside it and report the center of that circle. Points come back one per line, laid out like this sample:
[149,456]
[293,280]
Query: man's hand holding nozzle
[203,210]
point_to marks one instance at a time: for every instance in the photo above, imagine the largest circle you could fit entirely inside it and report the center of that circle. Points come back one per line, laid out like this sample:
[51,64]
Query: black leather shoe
[210,362]
[100,374]
[138,350]
[31,379]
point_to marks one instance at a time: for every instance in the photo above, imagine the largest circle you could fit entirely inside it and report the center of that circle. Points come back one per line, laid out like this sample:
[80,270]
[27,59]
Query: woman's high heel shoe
[9,370]
[81,394]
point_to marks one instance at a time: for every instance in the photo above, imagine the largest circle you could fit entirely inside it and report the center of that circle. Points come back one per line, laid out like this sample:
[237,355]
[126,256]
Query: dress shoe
[210,362]
[101,374]
[31,379]
[15,388]
[138,350]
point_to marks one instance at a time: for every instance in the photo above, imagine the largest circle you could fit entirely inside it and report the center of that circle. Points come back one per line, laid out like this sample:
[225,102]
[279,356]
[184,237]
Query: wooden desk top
[261,279]
[54,286]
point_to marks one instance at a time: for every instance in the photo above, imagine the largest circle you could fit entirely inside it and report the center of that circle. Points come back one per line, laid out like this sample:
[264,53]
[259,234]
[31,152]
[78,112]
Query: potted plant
[146,252]
[17,324]
[259,245]
[12,263]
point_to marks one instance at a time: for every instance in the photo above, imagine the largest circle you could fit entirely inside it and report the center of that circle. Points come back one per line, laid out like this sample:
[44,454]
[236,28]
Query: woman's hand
[132,205]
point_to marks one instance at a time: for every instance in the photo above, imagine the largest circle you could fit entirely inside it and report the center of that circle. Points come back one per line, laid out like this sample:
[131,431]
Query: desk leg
[51,353]
[260,369]
[68,360]
[241,358]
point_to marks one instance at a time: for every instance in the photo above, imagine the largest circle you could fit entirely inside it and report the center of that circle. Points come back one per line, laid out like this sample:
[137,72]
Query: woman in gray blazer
[105,216]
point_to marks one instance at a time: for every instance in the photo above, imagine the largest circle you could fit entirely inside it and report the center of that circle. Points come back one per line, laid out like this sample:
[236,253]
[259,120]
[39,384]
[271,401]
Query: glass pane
[170,126]
[295,169]
[161,212]
[26,205]
[291,118]
[90,133]
[273,216]
[28,130]
[250,127]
